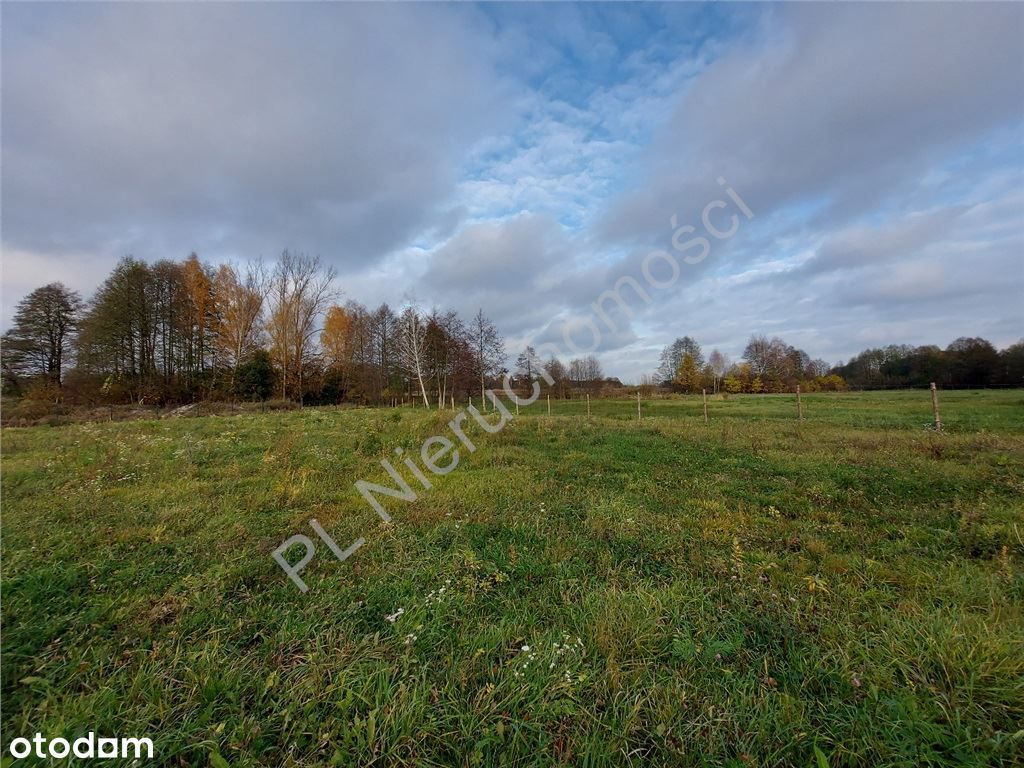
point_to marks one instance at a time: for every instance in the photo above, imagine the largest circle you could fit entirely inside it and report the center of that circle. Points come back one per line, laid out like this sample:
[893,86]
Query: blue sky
[523,157]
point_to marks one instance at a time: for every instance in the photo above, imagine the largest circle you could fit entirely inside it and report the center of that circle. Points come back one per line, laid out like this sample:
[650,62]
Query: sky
[523,158]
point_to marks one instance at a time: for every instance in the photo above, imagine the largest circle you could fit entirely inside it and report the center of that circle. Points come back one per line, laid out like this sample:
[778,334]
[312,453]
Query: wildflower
[525,648]
[392,618]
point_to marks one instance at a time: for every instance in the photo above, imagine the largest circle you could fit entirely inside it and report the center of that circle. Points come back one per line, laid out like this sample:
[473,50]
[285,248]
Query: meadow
[597,591]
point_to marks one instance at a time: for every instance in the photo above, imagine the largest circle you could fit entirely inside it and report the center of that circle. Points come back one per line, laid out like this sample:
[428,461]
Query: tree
[336,342]
[585,372]
[559,376]
[688,375]
[254,378]
[382,329]
[732,384]
[817,368]
[336,336]
[300,292]
[966,362]
[38,343]
[412,343]
[238,297]
[1011,365]
[524,365]
[758,353]
[778,365]
[118,332]
[592,371]
[576,373]
[672,356]
[199,319]
[972,363]
[444,337]
[719,363]
[488,349]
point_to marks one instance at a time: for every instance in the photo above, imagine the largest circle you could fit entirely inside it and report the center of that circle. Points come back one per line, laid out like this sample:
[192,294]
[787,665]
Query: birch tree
[412,337]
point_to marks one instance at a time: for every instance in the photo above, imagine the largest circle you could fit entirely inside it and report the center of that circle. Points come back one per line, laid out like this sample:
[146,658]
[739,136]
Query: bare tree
[445,338]
[592,369]
[412,334]
[488,350]
[585,372]
[559,376]
[719,363]
[382,328]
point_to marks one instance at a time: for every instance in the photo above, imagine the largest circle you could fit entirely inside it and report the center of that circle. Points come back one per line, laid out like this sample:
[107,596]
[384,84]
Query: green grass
[742,593]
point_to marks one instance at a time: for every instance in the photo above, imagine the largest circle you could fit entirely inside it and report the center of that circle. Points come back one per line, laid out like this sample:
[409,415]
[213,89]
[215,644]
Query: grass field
[579,592]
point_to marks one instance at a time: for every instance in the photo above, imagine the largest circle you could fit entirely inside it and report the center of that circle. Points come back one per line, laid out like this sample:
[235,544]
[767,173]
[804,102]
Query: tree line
[768,365]
[184,331]
[172,332]
[967,363]
[772,365]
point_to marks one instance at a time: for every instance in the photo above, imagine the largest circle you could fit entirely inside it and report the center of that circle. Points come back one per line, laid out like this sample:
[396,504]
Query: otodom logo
[88,746]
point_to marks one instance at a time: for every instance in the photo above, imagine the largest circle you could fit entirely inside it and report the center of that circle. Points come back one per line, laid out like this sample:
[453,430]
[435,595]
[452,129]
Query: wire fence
[998,410]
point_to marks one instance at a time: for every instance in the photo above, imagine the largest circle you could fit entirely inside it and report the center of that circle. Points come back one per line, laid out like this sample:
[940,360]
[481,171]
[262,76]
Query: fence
[904,408]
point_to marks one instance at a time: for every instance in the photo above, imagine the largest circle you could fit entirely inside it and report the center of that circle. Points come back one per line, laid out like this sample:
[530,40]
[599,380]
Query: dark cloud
[160,128]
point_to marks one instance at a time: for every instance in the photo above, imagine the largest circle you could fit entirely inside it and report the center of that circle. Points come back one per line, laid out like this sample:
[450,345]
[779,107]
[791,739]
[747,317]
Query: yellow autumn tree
[336,336]
[688,375]
[199,313]
[238,295]
[300,290]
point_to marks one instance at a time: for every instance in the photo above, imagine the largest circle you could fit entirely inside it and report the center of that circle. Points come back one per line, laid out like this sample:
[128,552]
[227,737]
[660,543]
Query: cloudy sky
[524,157]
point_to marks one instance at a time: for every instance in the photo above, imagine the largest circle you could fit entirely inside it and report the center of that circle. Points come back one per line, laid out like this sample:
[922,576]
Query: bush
[29,411]
[254,379]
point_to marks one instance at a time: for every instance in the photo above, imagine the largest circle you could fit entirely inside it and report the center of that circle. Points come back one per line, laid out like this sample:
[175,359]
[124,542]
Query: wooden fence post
[935,408]
[799,405]
[704,394]
[549,405]
[588,405]
[517,403]
[638,405]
